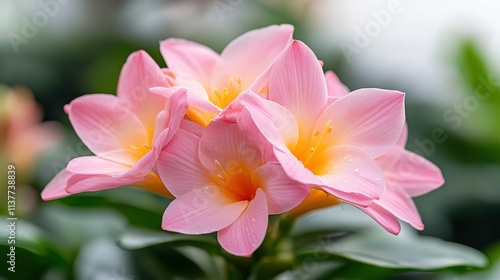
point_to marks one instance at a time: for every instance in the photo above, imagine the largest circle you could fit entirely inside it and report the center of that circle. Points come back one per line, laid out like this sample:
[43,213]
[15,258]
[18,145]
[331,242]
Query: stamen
[327,128]
[221,178]
[217,163]
[141,151]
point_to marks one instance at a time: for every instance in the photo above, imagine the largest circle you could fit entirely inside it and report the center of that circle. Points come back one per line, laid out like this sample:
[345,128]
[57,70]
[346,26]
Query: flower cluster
[258,130]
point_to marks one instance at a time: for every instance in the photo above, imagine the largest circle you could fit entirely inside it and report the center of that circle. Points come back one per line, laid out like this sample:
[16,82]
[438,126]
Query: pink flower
[227,181]
[215,80]
[327,145]
[407,175]
[20,118]
[125,132]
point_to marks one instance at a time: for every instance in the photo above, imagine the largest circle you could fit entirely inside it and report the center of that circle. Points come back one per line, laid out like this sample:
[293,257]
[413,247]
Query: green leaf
[135,239]
[27,236]
[492,272]
[213,266]
[333,219]
[33,252]
[406,251]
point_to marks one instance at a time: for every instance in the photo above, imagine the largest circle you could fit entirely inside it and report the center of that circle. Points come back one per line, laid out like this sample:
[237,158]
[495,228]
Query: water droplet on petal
[356,170]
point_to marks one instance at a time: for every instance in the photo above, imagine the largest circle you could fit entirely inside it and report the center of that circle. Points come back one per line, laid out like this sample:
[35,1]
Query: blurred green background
[443,55]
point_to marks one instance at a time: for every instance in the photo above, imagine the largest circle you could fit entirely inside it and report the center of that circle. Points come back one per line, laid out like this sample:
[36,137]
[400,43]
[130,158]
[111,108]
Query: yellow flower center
[237,181]
[222,97]
[310,148]
[141,150]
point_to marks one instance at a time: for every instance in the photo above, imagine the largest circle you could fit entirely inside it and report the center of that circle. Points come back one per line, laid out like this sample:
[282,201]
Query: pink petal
[178,164]
[225,143]
[281,191]
[93,173]
[336,89]
[411,172]
[138,75]
[194,99]
[56,188]
[383,217]
[246,234]
[89,165]
[167,124]
[107,127]
[295,169]
[371,119]
[297,82]
[269,117]
[401,205]
[192,127]
[189,60]
[99,182]
[202,210]
[403,138]
[171,116]
[252,53]
[350,174]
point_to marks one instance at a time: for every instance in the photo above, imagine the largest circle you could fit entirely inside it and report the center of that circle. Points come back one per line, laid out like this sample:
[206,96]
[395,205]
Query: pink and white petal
[178,164]
[246,234]
[138,75]
[349,174]
[297,82]
[107,127]
[389,161]
[272,120]
[203,210]
[224,145]
[252,53]
[281,191]
[189,60]
[170,123]
[192,127]
[169,119]
[383,217]
[403,138]
[79,183]
[56,188]
[401,205]
[295,169]
[194,99]
[336,88]
[371,119]
[412,172]
[91,165]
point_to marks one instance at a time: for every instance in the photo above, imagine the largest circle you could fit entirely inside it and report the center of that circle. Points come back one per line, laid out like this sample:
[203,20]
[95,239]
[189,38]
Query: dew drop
[356,170]
[253,219]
